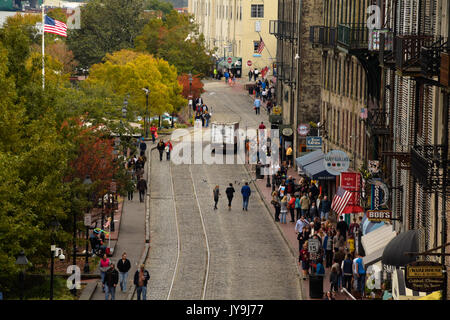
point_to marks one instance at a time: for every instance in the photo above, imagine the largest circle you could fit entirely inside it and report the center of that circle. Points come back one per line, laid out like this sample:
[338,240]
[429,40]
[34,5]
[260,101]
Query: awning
[394,253]
[399,289]
[375,242]
[432,296]
[369,226]
[353,209]
[309,158]
[312,166]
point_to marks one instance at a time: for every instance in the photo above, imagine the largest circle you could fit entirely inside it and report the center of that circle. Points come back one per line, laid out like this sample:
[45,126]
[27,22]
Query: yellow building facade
[235,28]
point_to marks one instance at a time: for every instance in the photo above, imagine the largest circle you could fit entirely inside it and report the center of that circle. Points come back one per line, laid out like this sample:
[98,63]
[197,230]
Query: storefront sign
[351,181]
[314,142]
[425,276]
[303,129]
[336,161]
[287,132]
[277,110]
[379,215]
[87,219]
[313,245]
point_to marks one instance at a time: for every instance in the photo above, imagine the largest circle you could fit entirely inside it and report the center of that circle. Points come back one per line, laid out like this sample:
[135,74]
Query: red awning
[353,209]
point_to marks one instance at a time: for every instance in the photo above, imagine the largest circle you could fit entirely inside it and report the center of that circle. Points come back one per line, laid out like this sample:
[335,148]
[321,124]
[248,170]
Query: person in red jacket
[291,206]
[153,131]
[168,149]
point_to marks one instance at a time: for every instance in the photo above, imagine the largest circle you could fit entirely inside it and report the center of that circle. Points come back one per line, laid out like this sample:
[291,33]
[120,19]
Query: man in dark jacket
[246,192]
[124,266]
[143,147]
[142,187]
[110,282]
[161,146]
[342,227]
[141,278]
[230,193]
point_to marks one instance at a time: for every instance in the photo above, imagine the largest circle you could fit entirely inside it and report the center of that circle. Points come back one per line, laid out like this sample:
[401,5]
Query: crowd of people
[201,112]
[111,277]
[312,218]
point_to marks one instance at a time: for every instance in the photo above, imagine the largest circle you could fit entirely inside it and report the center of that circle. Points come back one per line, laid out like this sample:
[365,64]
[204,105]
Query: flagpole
[266,47]
[43,49]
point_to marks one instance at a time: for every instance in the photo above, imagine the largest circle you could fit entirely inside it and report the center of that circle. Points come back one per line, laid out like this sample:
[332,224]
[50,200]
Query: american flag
[340,200]
[261,45]
[363,113]
[55,26]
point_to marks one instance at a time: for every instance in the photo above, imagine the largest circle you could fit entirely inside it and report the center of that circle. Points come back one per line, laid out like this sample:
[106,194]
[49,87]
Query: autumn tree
[196,89]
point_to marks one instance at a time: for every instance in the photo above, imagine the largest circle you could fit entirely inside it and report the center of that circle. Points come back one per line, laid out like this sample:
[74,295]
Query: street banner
[351,181]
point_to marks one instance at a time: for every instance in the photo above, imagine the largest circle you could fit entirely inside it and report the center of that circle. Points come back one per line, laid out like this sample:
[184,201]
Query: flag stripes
[261,45]
[55,26]
[340,200]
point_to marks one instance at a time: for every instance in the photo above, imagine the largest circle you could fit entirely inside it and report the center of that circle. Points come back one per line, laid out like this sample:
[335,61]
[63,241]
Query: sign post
[313,245]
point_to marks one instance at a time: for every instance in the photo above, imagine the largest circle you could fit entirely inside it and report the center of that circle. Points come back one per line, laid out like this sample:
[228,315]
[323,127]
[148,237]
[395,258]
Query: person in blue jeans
[360,274]
[110,282]
[141,278]
[246,192]
[123,265]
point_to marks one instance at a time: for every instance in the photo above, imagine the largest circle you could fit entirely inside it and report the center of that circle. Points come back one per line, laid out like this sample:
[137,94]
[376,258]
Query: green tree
[177,40]
[164,7]
[106,26]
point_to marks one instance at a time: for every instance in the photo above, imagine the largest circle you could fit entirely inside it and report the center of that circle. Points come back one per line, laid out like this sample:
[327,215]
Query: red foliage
[197,85]
[95,157]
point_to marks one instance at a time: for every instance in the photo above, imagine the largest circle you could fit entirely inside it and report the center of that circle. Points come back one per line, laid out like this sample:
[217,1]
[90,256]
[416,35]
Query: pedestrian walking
[256,73]
[257,105]
[141,278]
[334,279]
[304,205]
[346,268]
[168,148]
[103,267]
[284,209]
[110,282]
[161,146]
[230,193]
[291,206]
[131,187]
[154,133]
[303,236]
[142,146]
[313,212]
[276,204]
[342,227]
[320,270]
[123,266]
[142,187]
[227,76]
[216,194]
[360,274]
[304,260]
[206,116]
[250,75]
[246,192]
[325,208]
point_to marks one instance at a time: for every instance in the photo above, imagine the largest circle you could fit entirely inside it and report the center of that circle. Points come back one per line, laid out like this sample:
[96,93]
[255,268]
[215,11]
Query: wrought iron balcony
[428,165]
[353,37]
[408,48]
[283,30]
[322,36]
[378,123]
[430,58]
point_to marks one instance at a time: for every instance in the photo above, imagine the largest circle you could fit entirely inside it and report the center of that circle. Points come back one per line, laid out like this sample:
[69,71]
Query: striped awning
[374,243]
[399,289]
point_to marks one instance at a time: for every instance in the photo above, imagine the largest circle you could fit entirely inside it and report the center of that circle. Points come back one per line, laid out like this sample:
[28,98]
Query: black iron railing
[322,36]
[430,57]
[408,49]
[283,30]
[353,36]
[428,165]
[377,122]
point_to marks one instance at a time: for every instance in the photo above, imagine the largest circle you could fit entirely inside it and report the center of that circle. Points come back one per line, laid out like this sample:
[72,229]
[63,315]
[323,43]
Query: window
[255,46]
[257,11]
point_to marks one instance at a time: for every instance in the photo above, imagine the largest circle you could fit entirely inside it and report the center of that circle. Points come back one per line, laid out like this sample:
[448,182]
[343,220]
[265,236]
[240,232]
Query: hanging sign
[303,129]
[336,161]
[351,181]
[379,215]
[425,276]
[87,219]
[313,142]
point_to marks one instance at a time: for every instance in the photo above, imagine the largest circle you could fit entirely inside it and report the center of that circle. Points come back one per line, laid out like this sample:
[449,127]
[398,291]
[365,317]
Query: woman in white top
[283,210]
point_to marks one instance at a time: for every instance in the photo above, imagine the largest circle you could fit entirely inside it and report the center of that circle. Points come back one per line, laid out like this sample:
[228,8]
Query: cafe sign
[313,142]
[425,276]
[336,161]
[379,215]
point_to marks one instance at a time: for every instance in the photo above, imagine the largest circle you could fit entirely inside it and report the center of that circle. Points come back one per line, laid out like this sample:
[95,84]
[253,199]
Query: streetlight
[190,93]
[22,261]
[146,124]
[87,182]
[54,226]
[74,255]
[124,116]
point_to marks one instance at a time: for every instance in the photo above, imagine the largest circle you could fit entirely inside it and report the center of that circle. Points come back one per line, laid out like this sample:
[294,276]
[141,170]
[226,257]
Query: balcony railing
[353,36]
[283,30]
[428,164]
[322,36]
[408,48]
[430,58]
[378,122]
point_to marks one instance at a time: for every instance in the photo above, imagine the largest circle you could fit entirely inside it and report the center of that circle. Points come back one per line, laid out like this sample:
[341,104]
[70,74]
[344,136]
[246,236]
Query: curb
[147,222]
[280,231]
[88,292]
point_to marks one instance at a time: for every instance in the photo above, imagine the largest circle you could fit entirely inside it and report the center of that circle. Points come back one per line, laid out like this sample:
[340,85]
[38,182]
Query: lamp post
[21,261]
[147,120]
[190,93]
[124,116]
[54,226]
[87,182]
[74,255]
